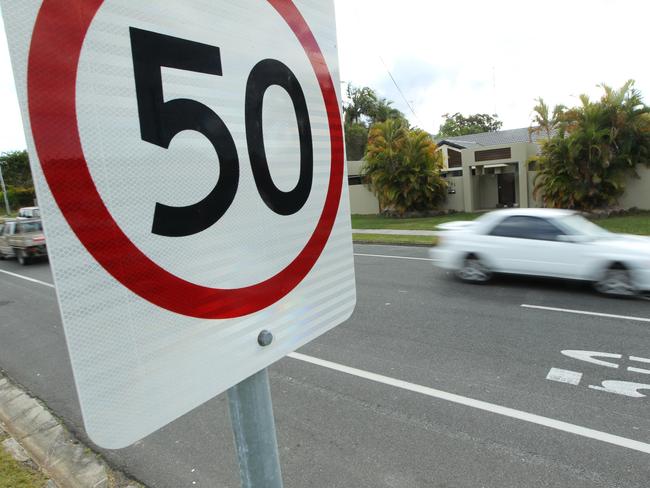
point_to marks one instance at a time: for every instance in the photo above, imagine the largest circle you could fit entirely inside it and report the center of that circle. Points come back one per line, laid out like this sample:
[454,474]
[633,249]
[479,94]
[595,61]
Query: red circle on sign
[55,49]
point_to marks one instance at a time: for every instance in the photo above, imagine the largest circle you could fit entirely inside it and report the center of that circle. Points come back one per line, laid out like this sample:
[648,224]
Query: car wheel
[616,282]
[22,257]
[474,271]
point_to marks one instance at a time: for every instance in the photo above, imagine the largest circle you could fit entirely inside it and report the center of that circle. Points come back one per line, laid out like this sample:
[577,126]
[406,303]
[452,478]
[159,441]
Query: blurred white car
[544,242]
[29,213]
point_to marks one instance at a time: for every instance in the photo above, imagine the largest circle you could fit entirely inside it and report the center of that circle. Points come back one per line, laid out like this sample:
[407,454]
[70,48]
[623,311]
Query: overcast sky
[465,56]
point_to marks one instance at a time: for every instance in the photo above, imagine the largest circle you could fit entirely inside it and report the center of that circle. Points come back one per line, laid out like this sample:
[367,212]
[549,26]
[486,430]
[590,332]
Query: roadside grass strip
[14,474]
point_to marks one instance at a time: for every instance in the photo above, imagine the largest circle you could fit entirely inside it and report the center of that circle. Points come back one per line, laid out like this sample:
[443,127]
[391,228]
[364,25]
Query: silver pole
[4,192]
[251,412]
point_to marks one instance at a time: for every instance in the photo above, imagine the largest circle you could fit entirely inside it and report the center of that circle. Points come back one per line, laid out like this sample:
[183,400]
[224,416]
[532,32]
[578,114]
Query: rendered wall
[362,200]
[455,201]
[637,191]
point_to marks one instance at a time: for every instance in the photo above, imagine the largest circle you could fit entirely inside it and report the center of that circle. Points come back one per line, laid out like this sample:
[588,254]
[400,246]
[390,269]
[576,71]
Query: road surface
[431,383]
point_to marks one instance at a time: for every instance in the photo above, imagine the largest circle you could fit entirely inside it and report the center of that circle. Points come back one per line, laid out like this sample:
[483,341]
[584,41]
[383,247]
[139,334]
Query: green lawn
[637,223]
[17,475]
[419,223]
[394,239]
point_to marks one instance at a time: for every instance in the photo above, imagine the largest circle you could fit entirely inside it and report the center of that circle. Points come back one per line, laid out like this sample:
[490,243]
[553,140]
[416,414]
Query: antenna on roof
[494,88]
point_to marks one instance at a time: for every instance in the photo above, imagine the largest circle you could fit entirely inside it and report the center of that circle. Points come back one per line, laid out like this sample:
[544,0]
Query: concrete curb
[64,459]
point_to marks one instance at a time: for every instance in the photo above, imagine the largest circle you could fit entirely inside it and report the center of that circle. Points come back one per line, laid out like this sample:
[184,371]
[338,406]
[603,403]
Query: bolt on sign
[190,165]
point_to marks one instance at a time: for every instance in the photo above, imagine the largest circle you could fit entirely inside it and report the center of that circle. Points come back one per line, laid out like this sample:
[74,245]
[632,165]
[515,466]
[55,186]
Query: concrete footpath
[37,434]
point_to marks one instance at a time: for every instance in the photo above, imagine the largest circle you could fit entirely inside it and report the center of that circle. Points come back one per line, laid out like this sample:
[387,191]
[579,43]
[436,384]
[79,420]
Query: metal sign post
[253,426]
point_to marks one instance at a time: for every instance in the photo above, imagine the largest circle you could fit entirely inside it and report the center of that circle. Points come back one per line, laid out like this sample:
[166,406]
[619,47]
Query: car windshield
[30,227]
[577,225]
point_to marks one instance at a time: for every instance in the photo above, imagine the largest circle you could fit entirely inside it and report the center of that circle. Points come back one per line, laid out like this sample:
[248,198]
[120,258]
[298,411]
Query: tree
[542,121]
[364,108]
[595,150]
[403,167]
[15,169]
[459,125]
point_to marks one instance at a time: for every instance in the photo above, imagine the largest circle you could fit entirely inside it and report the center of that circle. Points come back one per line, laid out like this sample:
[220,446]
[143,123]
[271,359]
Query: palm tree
[597,147]
[403,168]
[544,120]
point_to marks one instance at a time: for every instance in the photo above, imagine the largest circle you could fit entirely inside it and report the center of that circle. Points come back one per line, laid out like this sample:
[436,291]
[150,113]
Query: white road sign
[189,163]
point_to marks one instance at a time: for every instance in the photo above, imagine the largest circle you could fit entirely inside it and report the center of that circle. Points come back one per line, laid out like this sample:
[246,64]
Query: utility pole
[4,192]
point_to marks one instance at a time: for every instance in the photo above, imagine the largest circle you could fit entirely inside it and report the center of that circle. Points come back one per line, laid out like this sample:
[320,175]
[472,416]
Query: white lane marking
[481,405]
[589,357]
[391,257]
[27,278]
[626,388]
[564,376]
[638,370]
[584,312]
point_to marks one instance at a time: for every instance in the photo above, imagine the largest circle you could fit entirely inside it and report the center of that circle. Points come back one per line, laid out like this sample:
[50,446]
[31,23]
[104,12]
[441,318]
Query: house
[491,170]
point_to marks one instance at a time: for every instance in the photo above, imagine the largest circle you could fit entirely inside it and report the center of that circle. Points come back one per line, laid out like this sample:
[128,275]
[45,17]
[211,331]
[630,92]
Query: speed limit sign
[189,162]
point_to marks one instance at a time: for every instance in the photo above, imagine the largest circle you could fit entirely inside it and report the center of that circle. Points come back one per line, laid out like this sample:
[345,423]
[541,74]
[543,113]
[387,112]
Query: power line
[399,90]
[358,17]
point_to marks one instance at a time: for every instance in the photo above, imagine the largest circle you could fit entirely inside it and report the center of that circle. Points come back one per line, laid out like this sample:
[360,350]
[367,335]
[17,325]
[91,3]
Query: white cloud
[477,56]
[11,127]
[467,56]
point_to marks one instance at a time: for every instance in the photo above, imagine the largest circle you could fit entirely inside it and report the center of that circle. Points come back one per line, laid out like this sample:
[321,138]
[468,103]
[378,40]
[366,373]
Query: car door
[525,244]
[7,229]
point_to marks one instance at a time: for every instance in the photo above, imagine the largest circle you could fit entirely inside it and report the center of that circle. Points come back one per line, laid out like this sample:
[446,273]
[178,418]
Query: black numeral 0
[160,121]
[263,75]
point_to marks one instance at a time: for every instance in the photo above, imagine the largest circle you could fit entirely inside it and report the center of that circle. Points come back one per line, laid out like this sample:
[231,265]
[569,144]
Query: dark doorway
[506,182]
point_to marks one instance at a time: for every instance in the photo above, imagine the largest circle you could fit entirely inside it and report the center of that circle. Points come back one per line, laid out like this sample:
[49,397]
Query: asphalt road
[436,362]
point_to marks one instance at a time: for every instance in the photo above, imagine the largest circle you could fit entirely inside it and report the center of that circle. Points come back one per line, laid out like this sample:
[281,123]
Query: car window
[524,227]
[2,227]
[11,227]
[30,227]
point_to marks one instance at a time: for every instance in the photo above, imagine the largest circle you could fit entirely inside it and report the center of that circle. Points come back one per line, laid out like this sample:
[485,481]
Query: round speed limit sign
[190,164]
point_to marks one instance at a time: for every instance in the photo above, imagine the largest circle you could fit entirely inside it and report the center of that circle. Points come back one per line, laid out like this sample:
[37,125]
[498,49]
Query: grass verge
[394,239]
[14,474]
[418,223]
[637,223]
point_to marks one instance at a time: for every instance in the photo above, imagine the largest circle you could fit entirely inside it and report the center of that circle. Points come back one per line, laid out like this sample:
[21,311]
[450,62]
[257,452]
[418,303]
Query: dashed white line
[26,278]
[585,312]
[391,257]
[481,405]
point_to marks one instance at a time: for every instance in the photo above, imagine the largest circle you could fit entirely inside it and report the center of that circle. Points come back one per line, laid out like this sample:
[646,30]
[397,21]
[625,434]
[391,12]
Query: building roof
[496,138]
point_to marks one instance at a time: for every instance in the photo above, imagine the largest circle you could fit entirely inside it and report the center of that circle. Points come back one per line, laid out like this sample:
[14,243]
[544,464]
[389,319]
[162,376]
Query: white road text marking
[626,388]
[564,376]
[588,356]
[481,405]
[584,312]
[638,370]
[27,278]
